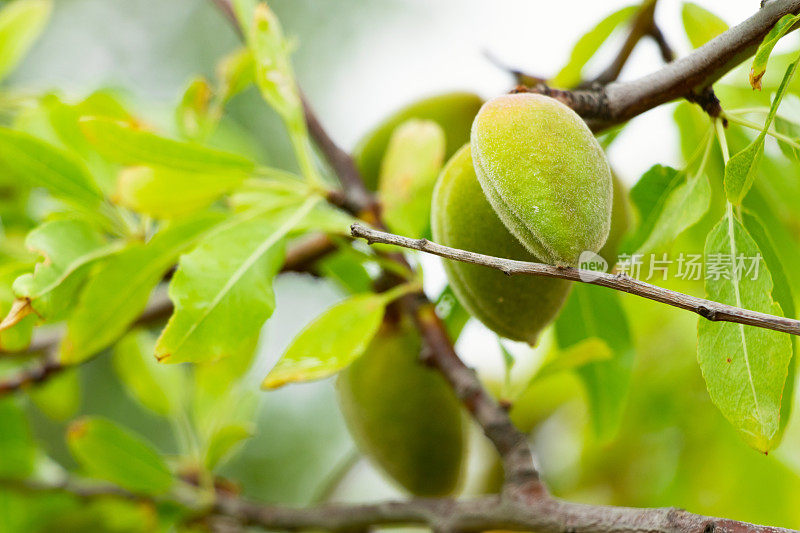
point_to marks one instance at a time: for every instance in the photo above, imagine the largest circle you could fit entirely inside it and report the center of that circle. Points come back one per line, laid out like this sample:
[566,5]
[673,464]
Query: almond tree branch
[549,515]
[708,309]
[686,77]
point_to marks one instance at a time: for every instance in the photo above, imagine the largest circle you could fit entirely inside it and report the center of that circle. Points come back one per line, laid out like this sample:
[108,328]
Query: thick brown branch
[548,515]
[690,75]
[706,308]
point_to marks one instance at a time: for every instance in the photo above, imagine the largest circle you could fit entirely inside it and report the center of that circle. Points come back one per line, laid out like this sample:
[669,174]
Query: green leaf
[792,130]
[159,388]
[42,165]
[783,295]
[68,248]
[21,22]
[222,291]
[648,196]
[224,442]
[741,169]
[194,115]
[589,350]
[346,267]
[682,207]
[452,313]
[700,24]
[15,338]
[596,312]
[17,449]
[166,193]
[116,454]
[331,342]
[781,28]
[235,72]
[408,174]
[118,292]
[60,396]
[588,45]
[745,367]
[124,143]
[270,50]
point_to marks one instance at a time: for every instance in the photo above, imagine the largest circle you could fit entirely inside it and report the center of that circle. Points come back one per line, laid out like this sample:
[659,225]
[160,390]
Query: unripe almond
[545,174]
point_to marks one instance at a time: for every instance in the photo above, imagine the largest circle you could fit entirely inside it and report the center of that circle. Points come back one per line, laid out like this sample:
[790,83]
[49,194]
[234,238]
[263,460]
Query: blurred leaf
[331,342]
[222,291]
[68,249]
[586,47]
[792,130]
[17,449]
[117,293]
[596,312]
[783,295]
[346,268]
[761,58]
[270,51]
[167,193]
[587,351]
[21,22]
[681,207]
[745,367]
[42,165]
[740,171]
[327,219]
[700,24]
[452,313]
[116,454]
[159,388]
[409,170]
[235,72]
[60,396]
[648,196]
[194,114]
[18,337]
[124,143]
[224,442]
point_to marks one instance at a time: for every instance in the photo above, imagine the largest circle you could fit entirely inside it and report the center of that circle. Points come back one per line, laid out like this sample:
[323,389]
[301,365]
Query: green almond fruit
[403,415]
[515,307]
[454,112]
[545,174]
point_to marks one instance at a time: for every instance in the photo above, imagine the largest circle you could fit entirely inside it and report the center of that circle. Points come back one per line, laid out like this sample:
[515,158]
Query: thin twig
[711,310]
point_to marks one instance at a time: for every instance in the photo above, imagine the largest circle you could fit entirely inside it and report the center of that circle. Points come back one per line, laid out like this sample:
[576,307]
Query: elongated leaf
[792,130]
[272,67]
[745,367]
[60,396]
[589,350]
[21,22]
[118,292]
[682,208]
[160,388]
[124,143]
[761,58]
[34,161]
[167,193]
[595,312]
[68,249]
[648,196]
[194,115]
[331,342]
[18,337]
[783,294]
[17,449]
[452,313]
[108,451]
[588,45]
[700,24]
[222,291]
[741,169]
[409,170]
[346,267]
[235,72]
[224,442]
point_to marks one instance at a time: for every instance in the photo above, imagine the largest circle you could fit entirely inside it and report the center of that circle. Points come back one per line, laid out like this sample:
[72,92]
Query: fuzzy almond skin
[454,112]
[515,307]
[545,174]
[403,415]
